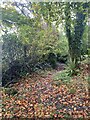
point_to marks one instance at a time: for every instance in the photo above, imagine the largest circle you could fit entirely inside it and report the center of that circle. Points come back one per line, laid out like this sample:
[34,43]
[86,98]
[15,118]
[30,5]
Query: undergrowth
[63,76]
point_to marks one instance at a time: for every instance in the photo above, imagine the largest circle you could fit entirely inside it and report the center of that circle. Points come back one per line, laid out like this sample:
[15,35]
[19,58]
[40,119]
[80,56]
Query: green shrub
[52,59]
[62,58]
[63,76]
[73,69]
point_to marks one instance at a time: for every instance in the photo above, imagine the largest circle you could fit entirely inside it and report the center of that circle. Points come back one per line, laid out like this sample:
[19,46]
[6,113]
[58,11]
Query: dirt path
[39,97]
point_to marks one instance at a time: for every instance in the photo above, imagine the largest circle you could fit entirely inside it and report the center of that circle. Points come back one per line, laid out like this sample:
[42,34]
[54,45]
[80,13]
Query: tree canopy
[32,31]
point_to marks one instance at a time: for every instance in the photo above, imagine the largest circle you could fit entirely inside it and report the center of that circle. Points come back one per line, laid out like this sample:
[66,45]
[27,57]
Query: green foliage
[10,91]
[10,49]
[63,76]
[33,39]
[84,47]
[57,83]
[75,35]
[67,116]
[72,91]
[89,52]
[11,16]
[62,58]
[88,79]
[52,59]
[73,69]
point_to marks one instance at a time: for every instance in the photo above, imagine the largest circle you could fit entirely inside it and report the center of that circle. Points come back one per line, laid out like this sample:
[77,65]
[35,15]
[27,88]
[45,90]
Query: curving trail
[39,97]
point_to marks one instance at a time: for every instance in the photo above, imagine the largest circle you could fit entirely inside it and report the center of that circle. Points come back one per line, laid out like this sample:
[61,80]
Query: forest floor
[39,97]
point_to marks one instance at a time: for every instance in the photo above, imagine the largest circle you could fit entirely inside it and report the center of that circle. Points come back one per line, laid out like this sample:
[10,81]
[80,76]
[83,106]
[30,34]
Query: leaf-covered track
[39,97]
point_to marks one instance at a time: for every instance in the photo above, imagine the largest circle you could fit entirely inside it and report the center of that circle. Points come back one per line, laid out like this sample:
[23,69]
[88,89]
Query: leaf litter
[39,97]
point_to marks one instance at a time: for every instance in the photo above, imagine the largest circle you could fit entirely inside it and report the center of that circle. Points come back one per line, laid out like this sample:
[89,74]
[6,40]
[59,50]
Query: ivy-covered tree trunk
[75,36]
[79,30]
[68,30]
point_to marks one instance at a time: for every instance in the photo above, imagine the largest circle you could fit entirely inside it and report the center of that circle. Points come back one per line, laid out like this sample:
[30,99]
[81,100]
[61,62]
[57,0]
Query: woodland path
[39,97]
